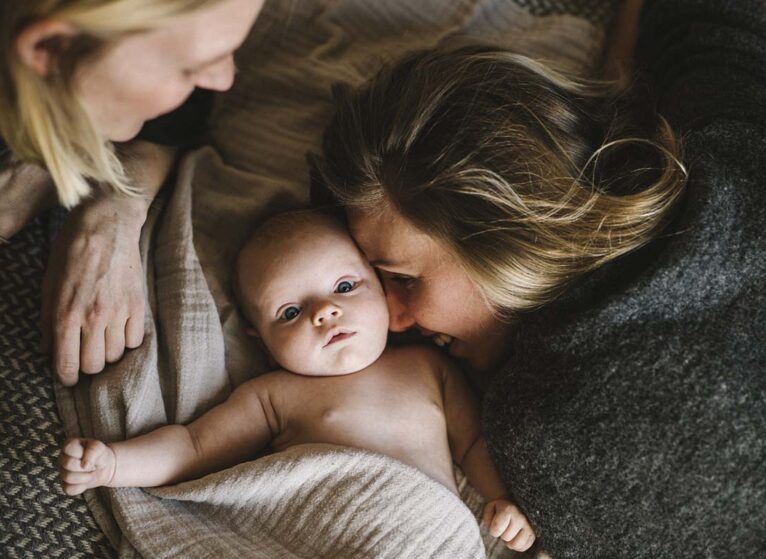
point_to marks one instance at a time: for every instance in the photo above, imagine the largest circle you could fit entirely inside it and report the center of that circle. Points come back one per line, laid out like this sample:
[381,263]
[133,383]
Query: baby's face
[316,303]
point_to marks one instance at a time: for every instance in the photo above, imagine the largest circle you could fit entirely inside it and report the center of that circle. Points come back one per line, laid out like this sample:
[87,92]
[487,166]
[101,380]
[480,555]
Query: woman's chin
[479,358]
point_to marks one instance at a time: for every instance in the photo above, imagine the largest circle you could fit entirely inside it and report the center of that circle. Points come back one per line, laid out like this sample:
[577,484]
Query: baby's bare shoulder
[420,356]
[266,382]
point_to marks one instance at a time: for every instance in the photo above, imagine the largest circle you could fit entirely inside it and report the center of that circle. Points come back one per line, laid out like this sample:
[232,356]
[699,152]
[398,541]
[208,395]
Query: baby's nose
[326,311]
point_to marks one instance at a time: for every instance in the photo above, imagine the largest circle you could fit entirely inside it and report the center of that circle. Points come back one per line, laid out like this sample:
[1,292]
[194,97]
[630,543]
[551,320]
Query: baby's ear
[252,332]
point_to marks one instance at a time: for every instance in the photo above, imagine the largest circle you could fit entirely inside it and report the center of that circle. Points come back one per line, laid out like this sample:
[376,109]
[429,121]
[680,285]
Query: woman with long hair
[598,268]
[78,81]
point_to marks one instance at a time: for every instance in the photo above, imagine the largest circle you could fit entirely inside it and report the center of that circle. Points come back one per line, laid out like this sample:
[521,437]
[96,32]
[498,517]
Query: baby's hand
[504,520]
[85,463]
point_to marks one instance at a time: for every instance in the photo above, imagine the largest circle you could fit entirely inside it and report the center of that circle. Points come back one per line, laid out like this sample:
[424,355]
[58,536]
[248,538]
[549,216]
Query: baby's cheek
[381,321]
[279,347]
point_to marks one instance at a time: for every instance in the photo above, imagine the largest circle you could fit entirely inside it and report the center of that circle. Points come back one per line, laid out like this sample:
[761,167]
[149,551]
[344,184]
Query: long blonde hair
[42,119]
[530,177]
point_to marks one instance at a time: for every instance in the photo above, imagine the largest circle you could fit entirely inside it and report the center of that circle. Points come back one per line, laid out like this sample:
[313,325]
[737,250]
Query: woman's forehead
[389,240]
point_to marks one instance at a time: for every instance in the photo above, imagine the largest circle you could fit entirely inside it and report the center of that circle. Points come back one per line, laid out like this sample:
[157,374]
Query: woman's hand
[93,290]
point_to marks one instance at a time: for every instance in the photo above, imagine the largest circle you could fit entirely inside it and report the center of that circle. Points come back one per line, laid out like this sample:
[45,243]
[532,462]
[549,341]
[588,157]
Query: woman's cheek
[175,94]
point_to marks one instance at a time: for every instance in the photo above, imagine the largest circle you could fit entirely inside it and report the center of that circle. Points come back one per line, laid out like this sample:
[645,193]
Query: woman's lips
[339,337]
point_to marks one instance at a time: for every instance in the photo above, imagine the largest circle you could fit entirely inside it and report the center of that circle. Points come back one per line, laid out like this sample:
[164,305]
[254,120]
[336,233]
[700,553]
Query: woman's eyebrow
[385,262]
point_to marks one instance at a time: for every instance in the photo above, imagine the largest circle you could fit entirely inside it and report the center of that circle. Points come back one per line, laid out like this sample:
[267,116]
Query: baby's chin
[343,361]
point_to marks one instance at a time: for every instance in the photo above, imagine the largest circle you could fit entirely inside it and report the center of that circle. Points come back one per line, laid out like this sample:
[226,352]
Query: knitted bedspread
[194,352]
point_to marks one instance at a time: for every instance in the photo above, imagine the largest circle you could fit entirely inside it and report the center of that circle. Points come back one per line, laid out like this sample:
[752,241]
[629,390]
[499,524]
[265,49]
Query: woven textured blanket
[194,352]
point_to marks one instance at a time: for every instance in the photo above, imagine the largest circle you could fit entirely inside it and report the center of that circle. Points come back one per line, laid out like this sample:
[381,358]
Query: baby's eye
[345,286]
[289,313]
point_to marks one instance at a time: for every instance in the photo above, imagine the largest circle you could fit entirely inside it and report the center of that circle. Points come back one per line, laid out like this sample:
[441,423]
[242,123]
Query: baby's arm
[469,450]
[228,434]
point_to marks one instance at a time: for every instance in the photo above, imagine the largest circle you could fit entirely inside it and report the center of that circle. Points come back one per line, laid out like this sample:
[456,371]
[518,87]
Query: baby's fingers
[88,452]
[500,519]
[83,464]
[74,448]
[93,454]
[513,530]
[75,482]
[75,489]
[77,478]
[70,464]
[522,541]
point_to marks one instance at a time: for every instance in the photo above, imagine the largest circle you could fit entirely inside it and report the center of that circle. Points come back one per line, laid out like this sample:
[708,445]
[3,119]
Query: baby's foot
[26,190]
[84,464]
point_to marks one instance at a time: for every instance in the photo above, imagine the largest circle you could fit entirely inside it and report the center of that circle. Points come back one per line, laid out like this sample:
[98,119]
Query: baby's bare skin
[394,407]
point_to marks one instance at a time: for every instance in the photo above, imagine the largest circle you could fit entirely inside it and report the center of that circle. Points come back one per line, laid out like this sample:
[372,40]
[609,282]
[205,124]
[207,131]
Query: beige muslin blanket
[310,501]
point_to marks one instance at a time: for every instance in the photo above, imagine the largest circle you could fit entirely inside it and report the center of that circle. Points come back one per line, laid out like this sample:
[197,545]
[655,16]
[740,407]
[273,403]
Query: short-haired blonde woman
[610,300]
[77,79]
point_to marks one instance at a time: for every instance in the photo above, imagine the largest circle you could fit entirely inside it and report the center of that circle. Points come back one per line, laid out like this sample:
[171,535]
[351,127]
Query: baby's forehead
[294,226]
[304,231]
[293,244]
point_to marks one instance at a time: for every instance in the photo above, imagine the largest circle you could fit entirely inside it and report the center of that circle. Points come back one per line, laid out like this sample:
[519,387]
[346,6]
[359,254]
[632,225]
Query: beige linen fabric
[311,501]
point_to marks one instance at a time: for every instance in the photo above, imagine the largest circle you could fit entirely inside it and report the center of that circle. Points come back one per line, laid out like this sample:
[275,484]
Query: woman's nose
[219,77]
[399,316]
[325,311]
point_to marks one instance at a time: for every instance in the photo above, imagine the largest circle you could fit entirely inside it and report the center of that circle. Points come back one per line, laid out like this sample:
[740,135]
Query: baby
[320,310]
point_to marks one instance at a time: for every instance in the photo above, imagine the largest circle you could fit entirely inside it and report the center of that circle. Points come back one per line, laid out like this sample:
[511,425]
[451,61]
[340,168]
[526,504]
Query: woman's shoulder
[706,60]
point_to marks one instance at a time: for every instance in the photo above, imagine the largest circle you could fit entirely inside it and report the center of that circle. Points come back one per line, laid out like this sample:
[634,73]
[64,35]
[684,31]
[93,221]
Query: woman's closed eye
[402,280]
[289,313]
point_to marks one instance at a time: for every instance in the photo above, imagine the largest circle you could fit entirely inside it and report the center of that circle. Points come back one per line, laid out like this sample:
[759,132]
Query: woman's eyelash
[405,281]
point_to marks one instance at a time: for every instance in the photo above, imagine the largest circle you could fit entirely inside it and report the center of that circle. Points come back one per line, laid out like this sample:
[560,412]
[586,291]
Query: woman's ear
[39,43]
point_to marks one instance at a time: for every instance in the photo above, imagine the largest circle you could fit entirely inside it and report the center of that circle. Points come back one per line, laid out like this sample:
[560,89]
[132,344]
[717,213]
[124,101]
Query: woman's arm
[26,190]
[93,291]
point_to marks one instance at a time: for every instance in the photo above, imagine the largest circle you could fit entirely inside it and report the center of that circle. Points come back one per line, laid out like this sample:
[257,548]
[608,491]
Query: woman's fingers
[114,338]
[134,328]
[66,350]
[92,349]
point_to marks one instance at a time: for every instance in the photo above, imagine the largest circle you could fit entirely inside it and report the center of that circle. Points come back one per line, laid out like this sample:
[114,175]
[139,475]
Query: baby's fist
[505,521]
[84,464]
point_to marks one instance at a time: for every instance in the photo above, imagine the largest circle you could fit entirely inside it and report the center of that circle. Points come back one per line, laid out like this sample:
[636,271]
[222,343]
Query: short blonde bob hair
[530,177]
[41,118]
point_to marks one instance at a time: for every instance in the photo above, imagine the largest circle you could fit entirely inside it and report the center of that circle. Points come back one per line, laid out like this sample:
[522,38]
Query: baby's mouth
[338,335]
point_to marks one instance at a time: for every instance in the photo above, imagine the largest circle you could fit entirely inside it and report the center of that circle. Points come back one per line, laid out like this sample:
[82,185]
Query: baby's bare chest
[375,409]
